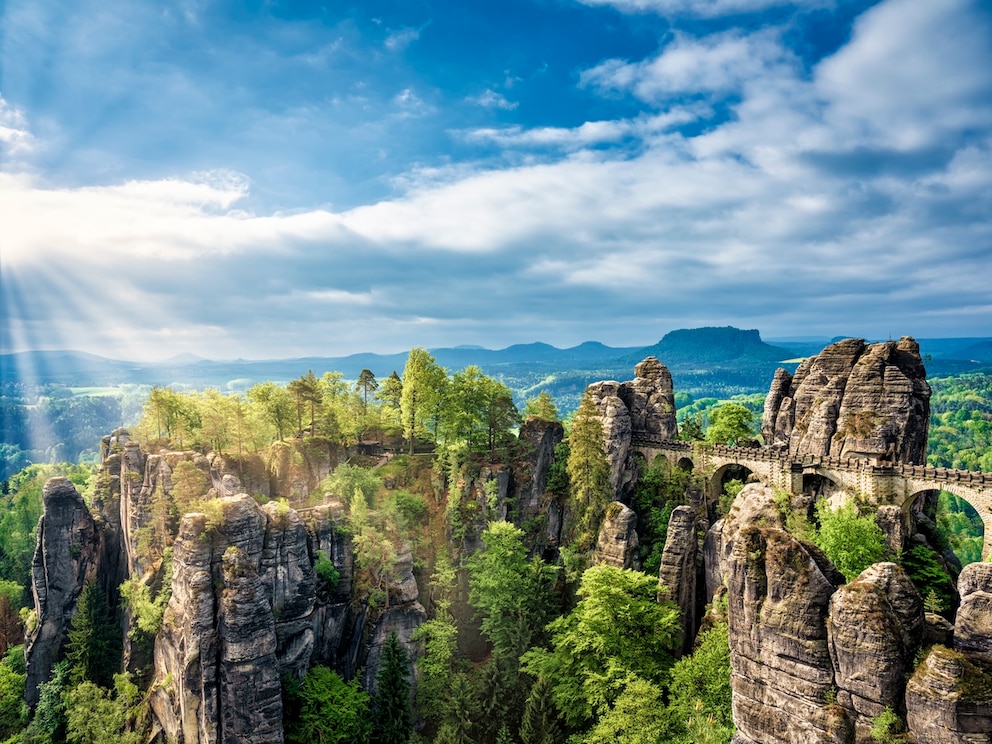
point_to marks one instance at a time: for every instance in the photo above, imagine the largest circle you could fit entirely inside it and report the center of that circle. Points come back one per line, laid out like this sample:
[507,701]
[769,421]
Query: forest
[520,645]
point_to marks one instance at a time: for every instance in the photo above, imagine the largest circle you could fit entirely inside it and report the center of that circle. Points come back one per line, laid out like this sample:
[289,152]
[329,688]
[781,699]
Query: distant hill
[700,346]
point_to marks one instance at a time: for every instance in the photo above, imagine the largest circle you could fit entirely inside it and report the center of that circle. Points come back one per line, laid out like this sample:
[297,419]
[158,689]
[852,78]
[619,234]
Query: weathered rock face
[617,543]
[641,408]
[853,400]
[680,570]
[973,623]
[615,419]
[531,474]
[875,627]
[67,555]
[949,699]
[217,660]
[650,399]
[778,595]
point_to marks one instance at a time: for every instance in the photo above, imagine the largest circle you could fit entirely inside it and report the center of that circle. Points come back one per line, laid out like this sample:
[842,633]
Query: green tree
[618,631]
[93,649]
[730,423]
[49,723]
[94,717]
[438,636]
[349,481]
[637,716]
[308,396]
[331,711]
[588,473]
[421,403]
[392,702]
[366,384]
[479,410]
[541,722]
[699,695]
[509,591]
[541,407]
[851,541]
[12,708]
[275,404]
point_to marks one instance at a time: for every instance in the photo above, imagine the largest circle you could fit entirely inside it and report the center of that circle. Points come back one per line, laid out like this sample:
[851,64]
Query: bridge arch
[956,518]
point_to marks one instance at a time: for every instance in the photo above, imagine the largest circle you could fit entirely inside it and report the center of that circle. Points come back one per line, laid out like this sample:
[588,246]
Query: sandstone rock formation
[217,677]
[973,623]
[778,595]
[875,628]
[642,408]
[67,555]
[680,570]
[617,542]
[949,700]
[853,400]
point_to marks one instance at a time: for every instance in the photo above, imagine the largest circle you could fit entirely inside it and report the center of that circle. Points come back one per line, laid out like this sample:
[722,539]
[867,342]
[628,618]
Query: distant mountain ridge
[703,361]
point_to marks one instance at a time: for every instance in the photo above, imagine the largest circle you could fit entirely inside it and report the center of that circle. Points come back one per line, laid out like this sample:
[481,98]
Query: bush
[326,572]
[851,541]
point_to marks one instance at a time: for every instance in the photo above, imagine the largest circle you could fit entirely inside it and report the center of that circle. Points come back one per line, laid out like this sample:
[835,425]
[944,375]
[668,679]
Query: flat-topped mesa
[853,400]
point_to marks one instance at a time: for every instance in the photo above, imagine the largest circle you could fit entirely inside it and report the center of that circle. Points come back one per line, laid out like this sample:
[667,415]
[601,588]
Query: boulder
[679,571]
[973,623]
[949,700]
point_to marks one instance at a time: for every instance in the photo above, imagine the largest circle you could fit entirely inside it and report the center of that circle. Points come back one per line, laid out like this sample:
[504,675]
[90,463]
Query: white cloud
[409,104]
[719,64]
[398,41]
[15,138]
[704,8]
[491,99]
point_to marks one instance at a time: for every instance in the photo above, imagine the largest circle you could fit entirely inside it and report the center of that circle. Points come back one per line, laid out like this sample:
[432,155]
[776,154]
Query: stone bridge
[882,482]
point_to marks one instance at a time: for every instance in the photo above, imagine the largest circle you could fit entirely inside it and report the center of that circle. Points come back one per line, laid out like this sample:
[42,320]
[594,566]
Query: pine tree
[540,723]
[392,708]
[588,473]
[94,646]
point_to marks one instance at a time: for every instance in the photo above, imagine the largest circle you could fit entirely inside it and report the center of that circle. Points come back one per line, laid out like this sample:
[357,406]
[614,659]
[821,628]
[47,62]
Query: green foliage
[326,572]
[929,577]
[961,422]
[49,723]
[960,525]
[349,481]
[657,493]
[95,717]
[730,423]
[541,407]
[147,611]
[13,712]
[541,722]
[619,630]
[637,716]
[93,649]
[700,689]
[330,710]
[557,483]
[509,592]
[422,400]
[392,702]
[885,726]
[438,636]
[411,508]
[730,490]
[479,411]
[588,473]
[851,541]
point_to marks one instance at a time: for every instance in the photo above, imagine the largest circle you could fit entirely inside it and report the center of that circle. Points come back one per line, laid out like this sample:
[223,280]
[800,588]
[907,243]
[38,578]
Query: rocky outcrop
[650,399]
[67,555]
[217,661]
[615,419]
[949,700]
[778,595]
[531,472]
[875,628]
[642,408]
[617,543]
[853,400]
[973,623]
[680,570]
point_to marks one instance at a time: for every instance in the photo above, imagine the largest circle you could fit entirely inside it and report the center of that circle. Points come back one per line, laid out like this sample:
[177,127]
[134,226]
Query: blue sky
[274,179]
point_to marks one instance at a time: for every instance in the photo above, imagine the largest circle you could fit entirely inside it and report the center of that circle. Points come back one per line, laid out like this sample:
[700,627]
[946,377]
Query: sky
[283,179]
